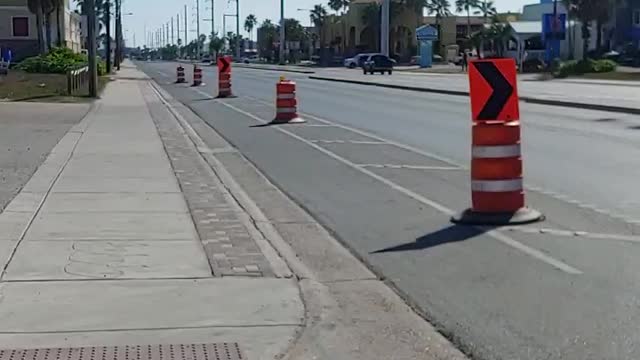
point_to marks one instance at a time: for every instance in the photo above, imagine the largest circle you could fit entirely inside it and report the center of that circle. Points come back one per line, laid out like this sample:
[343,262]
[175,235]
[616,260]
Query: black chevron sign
[223,65]
[502,90]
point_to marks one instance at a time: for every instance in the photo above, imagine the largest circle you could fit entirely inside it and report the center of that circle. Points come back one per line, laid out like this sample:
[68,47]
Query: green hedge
[581,67]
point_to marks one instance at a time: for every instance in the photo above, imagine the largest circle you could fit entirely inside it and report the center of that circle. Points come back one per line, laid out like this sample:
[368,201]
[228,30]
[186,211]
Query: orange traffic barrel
[197,76]
[286,103]
[180,75]
[497,187]
[224,85]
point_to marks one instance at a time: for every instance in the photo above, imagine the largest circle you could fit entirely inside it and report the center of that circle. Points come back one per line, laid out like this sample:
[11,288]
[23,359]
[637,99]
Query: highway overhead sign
[493,90]
[224,64]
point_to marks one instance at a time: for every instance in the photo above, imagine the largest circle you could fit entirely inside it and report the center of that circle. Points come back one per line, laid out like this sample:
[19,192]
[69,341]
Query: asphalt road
[28,132]
[384,169]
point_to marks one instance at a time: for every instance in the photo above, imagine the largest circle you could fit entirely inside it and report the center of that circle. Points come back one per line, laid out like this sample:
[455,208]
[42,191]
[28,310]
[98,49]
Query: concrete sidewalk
[106,246]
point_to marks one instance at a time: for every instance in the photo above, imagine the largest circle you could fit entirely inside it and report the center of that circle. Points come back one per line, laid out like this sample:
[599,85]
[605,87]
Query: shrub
[57,61]
[587,66]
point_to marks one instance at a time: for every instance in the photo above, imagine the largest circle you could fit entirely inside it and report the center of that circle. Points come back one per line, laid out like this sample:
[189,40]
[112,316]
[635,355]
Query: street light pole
[91,40]
[107,45]
[384,28]
[213,18]
[118,34]
[198,27]
[172,38]
[282,34]
[238,29]
[186,27]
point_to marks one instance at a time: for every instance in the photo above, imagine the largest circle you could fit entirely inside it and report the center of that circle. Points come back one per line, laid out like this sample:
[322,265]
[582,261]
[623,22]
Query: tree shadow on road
[450,234]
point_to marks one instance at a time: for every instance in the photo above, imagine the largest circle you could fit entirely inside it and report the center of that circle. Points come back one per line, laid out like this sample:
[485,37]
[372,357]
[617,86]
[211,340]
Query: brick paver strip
[229,246]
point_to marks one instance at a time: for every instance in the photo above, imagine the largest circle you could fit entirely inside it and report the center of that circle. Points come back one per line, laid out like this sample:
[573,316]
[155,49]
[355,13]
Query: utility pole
[186,27]
[213,19]
[198,28]
[384,28]
[91,40]
[178,26]
[118,54]
[238,30]
[282,35]
[172,33]
[107,45]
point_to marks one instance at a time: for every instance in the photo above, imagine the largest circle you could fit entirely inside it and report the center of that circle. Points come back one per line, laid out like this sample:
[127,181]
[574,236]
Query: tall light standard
[91,40]
[282,34]
[238,30]
[384,28]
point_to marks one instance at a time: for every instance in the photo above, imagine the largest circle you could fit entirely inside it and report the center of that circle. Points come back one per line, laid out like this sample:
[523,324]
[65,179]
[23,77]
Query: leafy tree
[267,34]
[341,6]
[216,44]
[249,23]
[467,6]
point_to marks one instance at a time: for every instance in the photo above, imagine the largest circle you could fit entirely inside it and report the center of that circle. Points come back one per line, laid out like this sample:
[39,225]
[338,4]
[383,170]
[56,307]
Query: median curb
[532,100]
[272,68]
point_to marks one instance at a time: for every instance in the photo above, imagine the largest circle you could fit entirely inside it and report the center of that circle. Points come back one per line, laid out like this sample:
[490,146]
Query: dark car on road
[378,63]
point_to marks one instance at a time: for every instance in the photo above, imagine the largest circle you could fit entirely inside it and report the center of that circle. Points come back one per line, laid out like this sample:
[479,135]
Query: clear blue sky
[154,13]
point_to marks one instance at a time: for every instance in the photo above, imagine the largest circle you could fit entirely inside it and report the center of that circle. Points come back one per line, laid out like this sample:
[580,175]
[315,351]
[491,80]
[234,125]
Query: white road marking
[411,167]
[534,253]
[373,136]
[203,93]
[572,233]
[163,73]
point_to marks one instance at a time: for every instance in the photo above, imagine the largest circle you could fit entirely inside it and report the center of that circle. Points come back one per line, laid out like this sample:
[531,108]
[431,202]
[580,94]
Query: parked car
[206,59]
[378,63]
[356,61]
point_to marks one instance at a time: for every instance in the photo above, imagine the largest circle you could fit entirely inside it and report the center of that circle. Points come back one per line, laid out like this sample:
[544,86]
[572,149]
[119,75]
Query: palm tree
[371,19]
[467,6]
[487,9]
[319,18]
[249,23]
[216,44]
[341,6]
[35,7]
[439,8]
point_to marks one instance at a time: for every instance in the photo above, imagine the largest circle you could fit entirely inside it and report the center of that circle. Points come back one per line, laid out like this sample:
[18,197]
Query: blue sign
[554,28]
[5,54]
[426,33]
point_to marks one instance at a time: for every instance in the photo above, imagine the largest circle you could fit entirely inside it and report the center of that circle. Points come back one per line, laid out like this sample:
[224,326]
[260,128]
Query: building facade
[19,32]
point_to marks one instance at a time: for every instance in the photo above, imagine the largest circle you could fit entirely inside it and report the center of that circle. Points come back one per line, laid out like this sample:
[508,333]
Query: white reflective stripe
[496,185]
[286,96]
[489,152]
[286,110]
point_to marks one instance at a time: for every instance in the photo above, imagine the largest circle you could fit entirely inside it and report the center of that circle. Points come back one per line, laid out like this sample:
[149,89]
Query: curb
[532,100]
[275,69]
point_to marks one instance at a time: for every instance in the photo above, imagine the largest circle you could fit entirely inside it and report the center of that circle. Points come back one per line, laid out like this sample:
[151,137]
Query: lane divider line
[410,167]
[534,253]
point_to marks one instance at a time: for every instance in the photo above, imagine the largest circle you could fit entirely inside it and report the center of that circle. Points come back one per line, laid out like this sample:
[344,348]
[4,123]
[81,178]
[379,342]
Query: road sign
[494,92]
[554,27]
[224,65]
[426,33]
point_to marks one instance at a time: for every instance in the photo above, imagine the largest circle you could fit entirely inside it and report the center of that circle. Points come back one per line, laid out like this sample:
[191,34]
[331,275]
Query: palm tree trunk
[598,35]
[40,27]
[47,28]
[59,25]
[468,23]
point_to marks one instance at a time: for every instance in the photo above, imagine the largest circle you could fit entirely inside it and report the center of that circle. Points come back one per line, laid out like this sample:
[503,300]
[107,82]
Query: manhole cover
[219,351]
